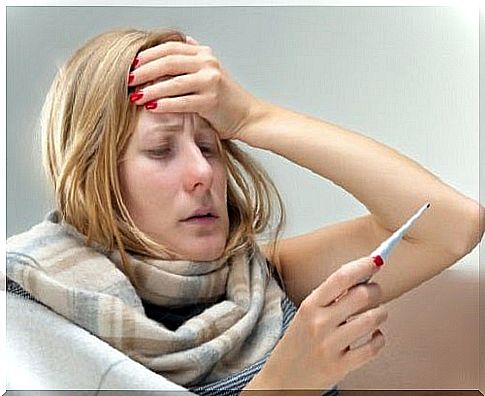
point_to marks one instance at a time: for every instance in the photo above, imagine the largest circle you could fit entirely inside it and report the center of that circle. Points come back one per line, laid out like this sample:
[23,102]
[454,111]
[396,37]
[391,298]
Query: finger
[343,279]
[173,86]
[359,356]
[181,104]
[359,326]
[165,49]
[374,298]
[191,40]
[358,300]
[168,66]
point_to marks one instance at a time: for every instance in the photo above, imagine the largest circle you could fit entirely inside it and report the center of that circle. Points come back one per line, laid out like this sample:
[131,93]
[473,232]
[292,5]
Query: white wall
[406,76]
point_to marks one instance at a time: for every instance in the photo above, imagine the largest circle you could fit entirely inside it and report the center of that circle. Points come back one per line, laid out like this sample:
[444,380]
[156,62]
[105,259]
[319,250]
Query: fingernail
[135,63]
[131,77]
[151,105]
[378,261]
[136,96]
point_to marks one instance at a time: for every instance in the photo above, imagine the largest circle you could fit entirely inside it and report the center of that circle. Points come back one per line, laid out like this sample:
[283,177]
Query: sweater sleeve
[46,351]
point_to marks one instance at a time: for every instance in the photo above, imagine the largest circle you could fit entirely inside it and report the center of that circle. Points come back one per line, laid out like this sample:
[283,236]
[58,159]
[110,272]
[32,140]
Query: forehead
[152,124]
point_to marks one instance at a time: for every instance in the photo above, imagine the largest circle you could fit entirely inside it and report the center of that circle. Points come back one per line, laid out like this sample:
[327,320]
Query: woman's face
[170,169]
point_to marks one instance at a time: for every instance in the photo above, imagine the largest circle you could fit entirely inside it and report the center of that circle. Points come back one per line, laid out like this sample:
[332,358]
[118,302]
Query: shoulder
[37,246]
[37,234]
[305,261]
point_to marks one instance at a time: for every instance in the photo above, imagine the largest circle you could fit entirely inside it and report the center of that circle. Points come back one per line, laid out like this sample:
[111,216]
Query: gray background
[406,76]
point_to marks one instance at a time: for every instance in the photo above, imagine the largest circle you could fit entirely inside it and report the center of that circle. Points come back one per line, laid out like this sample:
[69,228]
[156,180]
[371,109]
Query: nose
[198,170]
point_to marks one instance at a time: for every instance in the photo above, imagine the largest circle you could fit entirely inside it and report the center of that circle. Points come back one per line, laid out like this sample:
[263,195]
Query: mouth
[207,219]
[202,214]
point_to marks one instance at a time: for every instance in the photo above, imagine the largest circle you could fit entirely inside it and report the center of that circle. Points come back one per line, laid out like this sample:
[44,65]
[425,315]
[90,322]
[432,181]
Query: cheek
[220,176]
[144,183]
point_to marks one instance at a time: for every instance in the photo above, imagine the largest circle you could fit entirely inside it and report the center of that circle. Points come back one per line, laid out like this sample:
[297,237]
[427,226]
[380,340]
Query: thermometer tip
[428,205]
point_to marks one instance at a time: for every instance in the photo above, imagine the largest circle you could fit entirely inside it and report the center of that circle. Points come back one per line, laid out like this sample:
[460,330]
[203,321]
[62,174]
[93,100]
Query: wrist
[259,113]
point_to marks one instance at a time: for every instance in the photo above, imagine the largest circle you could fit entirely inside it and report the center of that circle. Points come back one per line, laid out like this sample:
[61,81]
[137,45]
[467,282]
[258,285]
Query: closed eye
[162,152]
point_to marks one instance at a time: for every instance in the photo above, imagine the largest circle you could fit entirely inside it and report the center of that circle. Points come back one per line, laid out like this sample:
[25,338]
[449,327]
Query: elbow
[476,227]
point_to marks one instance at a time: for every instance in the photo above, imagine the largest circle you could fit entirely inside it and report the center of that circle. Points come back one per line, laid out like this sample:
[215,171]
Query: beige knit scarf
[86,285]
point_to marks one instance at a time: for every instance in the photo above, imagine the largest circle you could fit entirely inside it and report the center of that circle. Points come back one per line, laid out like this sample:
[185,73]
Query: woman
[153,246]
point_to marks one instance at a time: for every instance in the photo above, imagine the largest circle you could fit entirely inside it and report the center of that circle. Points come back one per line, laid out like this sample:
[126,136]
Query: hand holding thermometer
[381,254]
[385,248]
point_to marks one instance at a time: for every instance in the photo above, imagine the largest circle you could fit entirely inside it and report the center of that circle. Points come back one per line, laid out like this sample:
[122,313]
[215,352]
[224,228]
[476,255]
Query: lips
[200,217]
[201,213]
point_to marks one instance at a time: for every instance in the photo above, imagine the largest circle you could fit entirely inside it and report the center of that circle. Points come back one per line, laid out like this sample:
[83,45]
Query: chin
[206,254]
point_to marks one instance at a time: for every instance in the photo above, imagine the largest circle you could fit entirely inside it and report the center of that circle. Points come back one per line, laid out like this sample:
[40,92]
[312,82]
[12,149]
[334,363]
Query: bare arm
[390,185]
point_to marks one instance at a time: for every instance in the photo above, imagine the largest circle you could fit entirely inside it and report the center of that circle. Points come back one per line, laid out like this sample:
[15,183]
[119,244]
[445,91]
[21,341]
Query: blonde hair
[87,121]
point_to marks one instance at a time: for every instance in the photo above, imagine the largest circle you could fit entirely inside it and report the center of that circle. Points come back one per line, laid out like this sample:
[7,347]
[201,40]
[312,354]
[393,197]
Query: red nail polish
[136,96]
[131,77]
[135,63]
[151,105]
[378,261]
